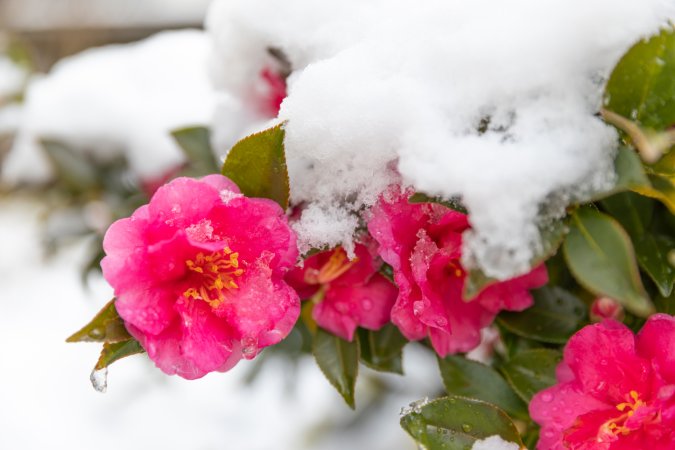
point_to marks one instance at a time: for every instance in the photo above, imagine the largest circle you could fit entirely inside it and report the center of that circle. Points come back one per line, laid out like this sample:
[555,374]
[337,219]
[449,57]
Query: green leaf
[196,145]
[630,173]
[642,85]
[552,236]
[339,362]
[632,210]
[257,164]
[652,255]
[456,423]
[601,258]
[114,351]
[454,203]
[73,170]
[531,371]
[473,379]
[382,350]
[554,317]
[662,188]
[106,326]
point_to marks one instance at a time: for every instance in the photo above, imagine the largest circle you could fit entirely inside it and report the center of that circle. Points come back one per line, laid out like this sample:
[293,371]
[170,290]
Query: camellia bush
[220,265]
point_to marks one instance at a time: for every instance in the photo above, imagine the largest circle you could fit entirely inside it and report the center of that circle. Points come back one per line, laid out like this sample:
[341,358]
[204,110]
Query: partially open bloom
[423,244]
[615,391]
[199,275]
[347,293]
[605,308]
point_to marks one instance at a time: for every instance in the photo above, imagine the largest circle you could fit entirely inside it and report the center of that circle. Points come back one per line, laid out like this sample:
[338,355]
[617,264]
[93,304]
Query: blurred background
[89,93]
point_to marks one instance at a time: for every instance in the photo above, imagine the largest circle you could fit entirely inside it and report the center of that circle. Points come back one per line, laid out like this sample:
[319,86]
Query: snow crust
[493,101]
[494,443]
[117,98]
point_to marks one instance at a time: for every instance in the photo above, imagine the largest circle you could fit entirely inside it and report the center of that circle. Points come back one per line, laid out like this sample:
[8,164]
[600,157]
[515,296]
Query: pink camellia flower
[423,244]
[615,391]
[348,293]
[273,92]
[199,275]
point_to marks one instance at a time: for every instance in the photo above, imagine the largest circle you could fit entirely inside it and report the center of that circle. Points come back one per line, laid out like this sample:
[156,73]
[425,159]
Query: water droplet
[546,397]
[99,379]
[249,347]
[367,304]
[418,307]
[96,333]
[466,427]
[176,209]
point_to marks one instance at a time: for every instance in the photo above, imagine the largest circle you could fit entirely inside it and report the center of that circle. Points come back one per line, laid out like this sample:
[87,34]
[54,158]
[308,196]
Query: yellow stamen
[337,265]
[618,425]
[218,271]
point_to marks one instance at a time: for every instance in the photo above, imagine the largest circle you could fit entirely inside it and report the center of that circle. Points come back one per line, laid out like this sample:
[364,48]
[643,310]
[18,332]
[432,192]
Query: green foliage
[339,361]
[456,423]
[382,350]
[554,317]
[257,164]
[453,203]
[106,326]
[195,142]
[600,255]
[472,379]
[117,350]
[531,371]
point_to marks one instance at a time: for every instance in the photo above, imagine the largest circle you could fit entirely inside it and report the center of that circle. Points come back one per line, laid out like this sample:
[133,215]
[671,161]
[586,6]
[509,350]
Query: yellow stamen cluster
[628,408]
[337,264]
[218,270]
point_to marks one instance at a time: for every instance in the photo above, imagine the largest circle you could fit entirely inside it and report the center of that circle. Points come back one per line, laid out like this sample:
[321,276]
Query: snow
[117,98]
[494,443]
[45,381]
[389,90]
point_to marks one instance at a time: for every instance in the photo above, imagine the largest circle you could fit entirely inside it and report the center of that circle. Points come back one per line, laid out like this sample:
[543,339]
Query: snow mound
[117,98]
[493,101]
[494,443]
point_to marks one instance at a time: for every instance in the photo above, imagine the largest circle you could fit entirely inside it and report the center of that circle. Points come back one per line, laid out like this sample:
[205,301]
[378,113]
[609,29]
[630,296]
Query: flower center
[218,271]
[456,269]
[617,426]
[337,264]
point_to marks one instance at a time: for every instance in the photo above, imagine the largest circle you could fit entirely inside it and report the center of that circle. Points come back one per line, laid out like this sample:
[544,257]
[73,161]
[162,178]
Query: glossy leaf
[601,258]
[339,362]
[552,236]
[257,164]
[554,317]
[106,326]
[630,173]
[472,379]
[382,350]
[661,188]
[196,145]
[652,255]
[633,211]
[531,371]
[117,350]
[456,423]
[642,86]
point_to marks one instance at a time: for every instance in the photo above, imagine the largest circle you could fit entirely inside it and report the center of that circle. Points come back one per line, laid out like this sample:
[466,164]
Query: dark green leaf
[632,210]
[73,170]
[339,362]
[554,317]
[382,350]
[257,164]
[642,86]
[456,423]
[531,371]
[652,255]
[106,326]
[662,188]
[454,203]
[196,145]
[552,235]
[601,257]
[473,379]
[117,350]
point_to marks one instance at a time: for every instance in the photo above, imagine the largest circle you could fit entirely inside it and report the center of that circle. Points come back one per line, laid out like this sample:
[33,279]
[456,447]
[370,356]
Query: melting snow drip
[99,380]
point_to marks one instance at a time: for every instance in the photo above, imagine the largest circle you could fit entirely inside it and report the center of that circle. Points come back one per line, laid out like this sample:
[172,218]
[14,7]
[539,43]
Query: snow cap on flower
[615,390]
[348,293]
[423,244]
[198,275]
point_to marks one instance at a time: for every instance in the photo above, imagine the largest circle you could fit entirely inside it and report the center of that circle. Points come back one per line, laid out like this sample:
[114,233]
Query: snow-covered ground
[47,401]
